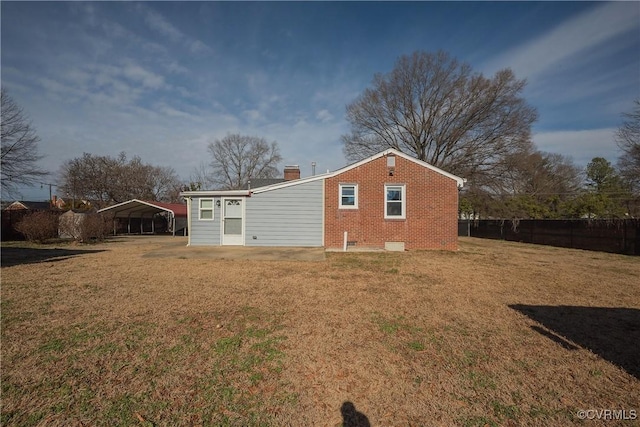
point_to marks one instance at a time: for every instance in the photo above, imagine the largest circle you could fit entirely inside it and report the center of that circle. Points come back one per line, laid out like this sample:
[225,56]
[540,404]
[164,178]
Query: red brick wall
[431,207]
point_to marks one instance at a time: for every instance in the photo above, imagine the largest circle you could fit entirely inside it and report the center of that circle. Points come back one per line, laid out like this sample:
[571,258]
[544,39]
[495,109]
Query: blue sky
[161,79]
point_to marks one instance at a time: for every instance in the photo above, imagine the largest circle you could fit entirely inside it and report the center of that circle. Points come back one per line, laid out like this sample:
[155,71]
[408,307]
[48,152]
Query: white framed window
[348,196]
[395,201]
[205,209]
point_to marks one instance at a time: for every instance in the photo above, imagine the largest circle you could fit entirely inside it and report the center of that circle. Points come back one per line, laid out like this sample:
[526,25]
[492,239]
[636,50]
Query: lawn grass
[497,333]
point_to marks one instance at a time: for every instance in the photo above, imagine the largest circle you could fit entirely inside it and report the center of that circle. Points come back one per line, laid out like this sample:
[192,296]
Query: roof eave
[214,193]
[459,181]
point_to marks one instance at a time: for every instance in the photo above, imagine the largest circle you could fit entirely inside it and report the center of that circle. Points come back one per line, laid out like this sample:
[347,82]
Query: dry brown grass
[496,334]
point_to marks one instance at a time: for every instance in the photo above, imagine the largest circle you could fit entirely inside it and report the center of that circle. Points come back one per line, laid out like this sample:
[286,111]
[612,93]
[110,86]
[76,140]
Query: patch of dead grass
[418,338]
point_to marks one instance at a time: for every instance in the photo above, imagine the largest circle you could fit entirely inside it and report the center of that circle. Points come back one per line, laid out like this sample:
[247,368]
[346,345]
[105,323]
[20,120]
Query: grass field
[495,334]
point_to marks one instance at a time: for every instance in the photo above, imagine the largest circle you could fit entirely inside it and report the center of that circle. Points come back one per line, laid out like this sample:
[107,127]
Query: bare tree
[628,139]
[200,178]
[19,151]
[540,174]
[106,180]
[436,109]
[238,158]
[533,184]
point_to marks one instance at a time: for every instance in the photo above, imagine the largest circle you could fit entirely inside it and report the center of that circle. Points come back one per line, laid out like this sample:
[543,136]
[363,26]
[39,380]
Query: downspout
[188,221]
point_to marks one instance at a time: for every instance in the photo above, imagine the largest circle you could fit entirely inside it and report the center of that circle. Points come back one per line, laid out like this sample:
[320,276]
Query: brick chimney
[291,172]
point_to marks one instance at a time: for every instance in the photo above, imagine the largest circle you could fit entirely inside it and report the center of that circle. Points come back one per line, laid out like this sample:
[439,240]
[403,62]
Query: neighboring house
[14,212]
[389,200]
[28,206]
[56,203]
[70,203]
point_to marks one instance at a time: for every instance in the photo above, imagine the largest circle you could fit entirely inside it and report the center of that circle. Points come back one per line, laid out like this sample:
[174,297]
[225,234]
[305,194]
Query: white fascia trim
[132,201]
[118,205]
[459,181]
[216,193]
[291,183]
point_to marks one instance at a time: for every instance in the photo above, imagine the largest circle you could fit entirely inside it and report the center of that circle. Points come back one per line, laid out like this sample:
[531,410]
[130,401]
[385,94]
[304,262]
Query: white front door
[233,221]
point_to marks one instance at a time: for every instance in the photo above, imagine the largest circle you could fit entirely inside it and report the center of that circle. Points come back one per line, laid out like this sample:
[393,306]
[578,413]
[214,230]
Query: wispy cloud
[253,115]
[324,116]
[581,145]
[155,21]
[578,36]
[138,74]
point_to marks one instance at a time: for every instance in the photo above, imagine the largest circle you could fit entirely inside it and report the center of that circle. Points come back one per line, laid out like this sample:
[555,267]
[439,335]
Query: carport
[139,210]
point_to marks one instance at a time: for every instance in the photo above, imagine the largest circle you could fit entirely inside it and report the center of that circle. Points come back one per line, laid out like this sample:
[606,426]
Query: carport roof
[135,208]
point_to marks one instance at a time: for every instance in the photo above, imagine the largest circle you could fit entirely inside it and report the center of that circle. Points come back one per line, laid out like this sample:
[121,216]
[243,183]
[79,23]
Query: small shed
[139,216]
[69,224]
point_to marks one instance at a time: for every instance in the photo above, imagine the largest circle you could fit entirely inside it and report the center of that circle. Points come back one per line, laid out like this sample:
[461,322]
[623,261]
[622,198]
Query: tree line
[430,106]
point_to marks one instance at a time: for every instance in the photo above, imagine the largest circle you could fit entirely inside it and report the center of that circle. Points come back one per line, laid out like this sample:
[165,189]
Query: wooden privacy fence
[616,236]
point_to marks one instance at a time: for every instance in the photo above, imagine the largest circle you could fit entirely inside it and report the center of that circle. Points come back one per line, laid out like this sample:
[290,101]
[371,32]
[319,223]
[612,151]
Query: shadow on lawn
[18,256]
[353,418]
[612,333]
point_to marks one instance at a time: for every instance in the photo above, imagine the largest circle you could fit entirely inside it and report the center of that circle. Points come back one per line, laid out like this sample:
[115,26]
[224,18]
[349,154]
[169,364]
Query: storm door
[232,221]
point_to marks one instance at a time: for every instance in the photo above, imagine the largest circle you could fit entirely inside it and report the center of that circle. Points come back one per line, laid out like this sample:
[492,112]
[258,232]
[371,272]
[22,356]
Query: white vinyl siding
[348,196]
[395,201]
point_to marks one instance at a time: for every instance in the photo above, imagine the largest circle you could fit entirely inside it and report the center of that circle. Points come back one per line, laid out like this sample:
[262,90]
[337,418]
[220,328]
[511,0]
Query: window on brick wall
[395,201]
[348,196]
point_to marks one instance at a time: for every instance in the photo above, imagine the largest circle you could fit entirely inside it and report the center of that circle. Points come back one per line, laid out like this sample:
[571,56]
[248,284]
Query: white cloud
[581,145]
[579,35]
[156,22]
[253,115]
[167,110]
[146,78]
[257,81]
[197,46]
[568,89]
[324,116]
[174,67]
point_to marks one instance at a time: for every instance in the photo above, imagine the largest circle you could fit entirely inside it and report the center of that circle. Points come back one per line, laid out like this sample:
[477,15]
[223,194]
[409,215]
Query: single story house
[389,200]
